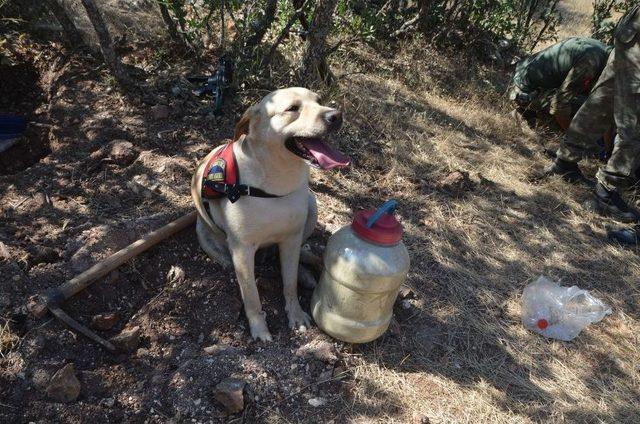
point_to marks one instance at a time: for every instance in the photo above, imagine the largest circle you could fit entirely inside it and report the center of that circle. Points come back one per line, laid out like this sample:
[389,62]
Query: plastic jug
[365,264]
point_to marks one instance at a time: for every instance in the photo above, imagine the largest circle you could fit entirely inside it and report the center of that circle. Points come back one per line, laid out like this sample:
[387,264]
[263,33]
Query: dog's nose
[333,119]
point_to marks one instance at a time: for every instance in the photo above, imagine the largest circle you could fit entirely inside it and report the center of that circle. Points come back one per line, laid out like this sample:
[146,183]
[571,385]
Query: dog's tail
[196,195]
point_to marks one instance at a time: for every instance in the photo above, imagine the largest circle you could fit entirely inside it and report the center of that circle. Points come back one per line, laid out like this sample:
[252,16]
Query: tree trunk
[106,44]
[261,25]
[314,66]
[171,25]
[71,33]
[299,4]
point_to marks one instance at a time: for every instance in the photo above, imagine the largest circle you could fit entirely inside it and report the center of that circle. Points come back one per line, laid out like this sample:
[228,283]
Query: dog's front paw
[259,330]
[298,319]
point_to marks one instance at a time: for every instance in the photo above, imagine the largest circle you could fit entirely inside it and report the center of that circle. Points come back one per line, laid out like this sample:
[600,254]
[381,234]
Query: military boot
[611,203]
[570,171]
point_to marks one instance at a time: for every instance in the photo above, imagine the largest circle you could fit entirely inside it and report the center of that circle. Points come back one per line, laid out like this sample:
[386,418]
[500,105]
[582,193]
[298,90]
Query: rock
[37,306]
[317,402]
[229,392]
[64,385]
[128,339]
[217,349]
[406,293]
[108,402]
[123,152]
[175,275]
[160,112]
[144,185]
[104,321]
[456,182]
[319,349]
[591,205]
[4,252]
[40,379]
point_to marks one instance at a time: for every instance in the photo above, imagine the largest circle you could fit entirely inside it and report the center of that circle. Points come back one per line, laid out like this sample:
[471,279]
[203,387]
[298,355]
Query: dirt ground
[429,129]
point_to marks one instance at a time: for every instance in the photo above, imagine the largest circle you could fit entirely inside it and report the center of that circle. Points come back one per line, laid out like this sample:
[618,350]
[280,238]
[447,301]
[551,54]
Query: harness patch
[221,177]
[216,173]
[221,169]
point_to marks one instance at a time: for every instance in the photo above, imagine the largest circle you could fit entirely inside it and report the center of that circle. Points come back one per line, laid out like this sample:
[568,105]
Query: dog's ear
[242,127]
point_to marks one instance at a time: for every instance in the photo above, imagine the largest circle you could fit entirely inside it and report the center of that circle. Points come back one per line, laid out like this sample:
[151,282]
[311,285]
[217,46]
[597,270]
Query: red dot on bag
[542,324]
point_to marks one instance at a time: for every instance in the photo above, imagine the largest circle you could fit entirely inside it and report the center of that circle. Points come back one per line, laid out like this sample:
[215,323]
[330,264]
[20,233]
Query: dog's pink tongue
[326,156]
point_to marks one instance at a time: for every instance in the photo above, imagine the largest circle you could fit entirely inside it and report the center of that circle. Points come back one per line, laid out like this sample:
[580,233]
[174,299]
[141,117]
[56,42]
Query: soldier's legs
[619,170]
[592,120]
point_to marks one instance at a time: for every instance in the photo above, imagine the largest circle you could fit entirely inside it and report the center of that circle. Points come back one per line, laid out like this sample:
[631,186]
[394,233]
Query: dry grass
[462,354]
[8,339]
[576,16]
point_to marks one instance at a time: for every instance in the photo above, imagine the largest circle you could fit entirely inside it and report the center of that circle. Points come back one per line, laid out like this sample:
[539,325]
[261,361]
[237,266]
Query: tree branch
[285,31]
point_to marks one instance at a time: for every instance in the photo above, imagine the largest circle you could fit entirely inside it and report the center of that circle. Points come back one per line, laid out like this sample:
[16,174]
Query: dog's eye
[293,108]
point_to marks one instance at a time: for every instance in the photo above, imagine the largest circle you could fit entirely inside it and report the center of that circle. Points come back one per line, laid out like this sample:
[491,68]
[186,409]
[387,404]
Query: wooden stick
[83,280]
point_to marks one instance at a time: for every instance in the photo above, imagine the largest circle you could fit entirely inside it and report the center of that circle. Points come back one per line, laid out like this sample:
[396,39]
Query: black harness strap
[235,191]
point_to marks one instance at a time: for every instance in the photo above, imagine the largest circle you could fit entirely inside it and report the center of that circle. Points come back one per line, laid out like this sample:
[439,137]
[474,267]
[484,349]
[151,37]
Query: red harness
[221,178]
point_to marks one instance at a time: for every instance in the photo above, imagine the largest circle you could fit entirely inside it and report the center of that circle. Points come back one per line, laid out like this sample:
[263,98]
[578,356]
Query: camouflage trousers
[615,98]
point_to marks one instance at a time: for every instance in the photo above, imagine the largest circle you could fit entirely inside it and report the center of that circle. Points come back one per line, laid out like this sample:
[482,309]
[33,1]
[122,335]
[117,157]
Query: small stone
[406,304]
[104,321]
[64,385]
[406,293]
[40,379]
[4,252]
[317,402]
[160,112]
[229,392]
[37,306]
[456,182]
[591,205]
[128,339]
[108,402]
[142,352]
[319,349]
[175,275]
[217,349]
[123,152]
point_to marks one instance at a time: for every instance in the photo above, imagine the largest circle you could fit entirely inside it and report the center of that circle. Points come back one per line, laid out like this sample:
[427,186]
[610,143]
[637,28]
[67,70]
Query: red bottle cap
[542,323]
[383,229]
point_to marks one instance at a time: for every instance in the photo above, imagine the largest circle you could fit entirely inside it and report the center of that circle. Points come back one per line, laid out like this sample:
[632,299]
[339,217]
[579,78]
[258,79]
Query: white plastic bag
[559,312]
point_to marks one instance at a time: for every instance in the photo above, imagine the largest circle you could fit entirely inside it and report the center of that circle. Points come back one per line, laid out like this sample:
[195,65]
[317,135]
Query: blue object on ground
[11,129]
[624,235]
